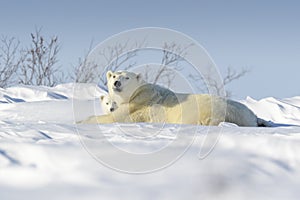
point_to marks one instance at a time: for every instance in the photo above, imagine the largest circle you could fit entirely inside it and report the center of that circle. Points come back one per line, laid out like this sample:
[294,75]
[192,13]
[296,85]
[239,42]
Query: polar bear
[143,102]
[108,104]
[122,84]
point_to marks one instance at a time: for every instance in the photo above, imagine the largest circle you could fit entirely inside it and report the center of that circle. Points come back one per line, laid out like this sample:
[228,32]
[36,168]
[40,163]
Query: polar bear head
[122,84]
[108,104]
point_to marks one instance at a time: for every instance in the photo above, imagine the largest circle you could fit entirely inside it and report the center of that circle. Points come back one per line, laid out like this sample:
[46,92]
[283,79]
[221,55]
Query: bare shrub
[172,55]
[9,61]
[38,63]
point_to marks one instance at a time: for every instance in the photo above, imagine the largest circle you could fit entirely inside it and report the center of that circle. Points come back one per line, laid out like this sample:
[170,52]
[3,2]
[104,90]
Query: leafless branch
[85,71]
[117,55]
[231,75]
[38,63]
[173,54]
[8,60]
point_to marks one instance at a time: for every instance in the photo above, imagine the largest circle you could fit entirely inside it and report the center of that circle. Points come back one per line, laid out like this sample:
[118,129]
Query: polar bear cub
[108,104]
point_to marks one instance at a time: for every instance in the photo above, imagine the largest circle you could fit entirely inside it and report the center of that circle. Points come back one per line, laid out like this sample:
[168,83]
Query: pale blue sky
[263,36]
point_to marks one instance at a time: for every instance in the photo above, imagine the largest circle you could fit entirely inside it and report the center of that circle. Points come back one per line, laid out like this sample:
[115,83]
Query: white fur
[129,81]
[108,104]
[142,102]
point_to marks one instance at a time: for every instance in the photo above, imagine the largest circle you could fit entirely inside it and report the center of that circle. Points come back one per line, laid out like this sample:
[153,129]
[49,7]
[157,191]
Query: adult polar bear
[139,101]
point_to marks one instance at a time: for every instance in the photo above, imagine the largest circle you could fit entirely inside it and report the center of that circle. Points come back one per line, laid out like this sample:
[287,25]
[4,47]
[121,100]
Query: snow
[281,111]
[44,155]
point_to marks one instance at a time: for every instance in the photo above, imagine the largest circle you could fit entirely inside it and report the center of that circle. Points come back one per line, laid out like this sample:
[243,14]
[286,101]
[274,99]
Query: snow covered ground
[42,156]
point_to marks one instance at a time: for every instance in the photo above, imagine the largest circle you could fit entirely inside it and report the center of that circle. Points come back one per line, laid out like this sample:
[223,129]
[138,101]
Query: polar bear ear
[109,74]
[139,76]
[102,97]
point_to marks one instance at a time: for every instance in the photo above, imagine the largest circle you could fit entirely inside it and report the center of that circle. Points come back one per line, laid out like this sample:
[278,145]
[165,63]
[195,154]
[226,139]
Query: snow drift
[42,156]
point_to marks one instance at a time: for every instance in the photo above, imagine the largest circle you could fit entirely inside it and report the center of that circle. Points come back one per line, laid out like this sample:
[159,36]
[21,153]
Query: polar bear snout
[117,84]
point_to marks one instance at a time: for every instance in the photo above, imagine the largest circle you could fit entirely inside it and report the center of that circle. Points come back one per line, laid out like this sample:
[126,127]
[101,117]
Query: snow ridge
[41,152]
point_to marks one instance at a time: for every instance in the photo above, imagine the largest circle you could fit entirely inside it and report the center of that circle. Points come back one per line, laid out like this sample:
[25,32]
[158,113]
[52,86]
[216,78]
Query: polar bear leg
[102,119]
[264,123]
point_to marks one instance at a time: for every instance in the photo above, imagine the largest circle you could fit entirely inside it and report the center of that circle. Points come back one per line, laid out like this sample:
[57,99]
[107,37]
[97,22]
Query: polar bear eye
[107,103]
[114,76]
